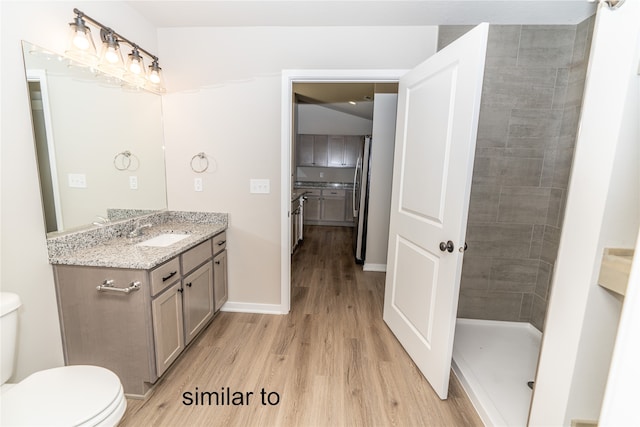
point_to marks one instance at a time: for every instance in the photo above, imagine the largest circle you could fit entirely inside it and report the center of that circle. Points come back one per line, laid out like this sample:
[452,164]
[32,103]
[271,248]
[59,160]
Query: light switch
[259,186]
[133,182]
[77,180]
[197,184]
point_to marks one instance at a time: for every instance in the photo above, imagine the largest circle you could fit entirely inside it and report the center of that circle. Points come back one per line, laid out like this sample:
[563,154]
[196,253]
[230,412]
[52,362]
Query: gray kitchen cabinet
[336,151]
[312,150]
[352,150]
[343,151]
[333,206]
[327,206]
[139,333]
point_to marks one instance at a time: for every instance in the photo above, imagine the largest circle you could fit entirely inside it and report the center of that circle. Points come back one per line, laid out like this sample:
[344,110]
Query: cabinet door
[333,208]
[220,279]
[352,150]
[168,327]
[197,300]
[312,208]
[336,151]
[320,150]
[304,150]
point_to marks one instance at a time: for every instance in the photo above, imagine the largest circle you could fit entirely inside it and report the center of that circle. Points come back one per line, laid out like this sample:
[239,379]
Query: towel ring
[122,160]
[203,163]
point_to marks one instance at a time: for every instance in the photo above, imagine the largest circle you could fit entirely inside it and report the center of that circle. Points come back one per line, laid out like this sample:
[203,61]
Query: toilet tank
[9,304]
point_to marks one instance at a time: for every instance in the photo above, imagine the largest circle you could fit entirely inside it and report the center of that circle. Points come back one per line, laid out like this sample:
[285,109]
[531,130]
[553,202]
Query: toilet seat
[67,396]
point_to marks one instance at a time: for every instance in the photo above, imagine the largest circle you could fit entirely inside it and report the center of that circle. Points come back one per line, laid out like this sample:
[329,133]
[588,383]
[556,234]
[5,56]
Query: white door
[438,106]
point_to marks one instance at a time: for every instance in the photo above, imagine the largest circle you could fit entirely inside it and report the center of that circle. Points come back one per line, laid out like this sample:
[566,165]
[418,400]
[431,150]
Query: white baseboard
[247,307]
[375,267]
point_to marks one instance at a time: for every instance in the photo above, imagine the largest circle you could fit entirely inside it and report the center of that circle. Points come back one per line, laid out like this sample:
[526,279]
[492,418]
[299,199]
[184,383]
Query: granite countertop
[332,185]
[111,248]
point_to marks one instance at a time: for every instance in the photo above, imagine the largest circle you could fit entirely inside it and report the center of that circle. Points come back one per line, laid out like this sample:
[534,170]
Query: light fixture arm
[105,31]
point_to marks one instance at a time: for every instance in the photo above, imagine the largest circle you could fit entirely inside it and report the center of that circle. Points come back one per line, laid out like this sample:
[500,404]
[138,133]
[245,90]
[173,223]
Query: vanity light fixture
[81,46]
[111,57]
[134,73]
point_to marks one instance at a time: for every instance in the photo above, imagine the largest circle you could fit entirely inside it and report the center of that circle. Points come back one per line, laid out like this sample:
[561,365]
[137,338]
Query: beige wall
[24,268]
[320,120]
[224,99]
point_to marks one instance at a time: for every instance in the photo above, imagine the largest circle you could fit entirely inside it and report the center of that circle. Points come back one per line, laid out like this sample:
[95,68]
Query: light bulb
[80,40]
[135,67]
[154,77]
[111,55]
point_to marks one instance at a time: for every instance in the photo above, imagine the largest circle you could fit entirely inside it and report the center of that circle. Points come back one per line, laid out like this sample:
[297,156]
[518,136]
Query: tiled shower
[530,106]
[529,113]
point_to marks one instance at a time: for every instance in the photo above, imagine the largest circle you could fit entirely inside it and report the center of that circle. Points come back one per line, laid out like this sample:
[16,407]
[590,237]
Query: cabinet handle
[222,243]
[107,285]
[217,262]
[169,276]
[189,284]
[181,290]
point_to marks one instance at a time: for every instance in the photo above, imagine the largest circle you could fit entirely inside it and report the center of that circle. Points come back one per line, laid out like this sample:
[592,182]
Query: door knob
[448,247]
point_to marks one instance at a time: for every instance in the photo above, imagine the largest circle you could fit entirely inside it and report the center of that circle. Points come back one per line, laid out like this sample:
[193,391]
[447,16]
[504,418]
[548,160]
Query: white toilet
[66,396]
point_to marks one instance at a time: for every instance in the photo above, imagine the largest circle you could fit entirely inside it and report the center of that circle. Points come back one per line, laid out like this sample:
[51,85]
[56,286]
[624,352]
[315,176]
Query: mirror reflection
[99,145]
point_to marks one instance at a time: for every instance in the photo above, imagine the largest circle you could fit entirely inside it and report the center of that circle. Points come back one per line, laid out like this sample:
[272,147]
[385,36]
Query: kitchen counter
[332,185]
[109,246]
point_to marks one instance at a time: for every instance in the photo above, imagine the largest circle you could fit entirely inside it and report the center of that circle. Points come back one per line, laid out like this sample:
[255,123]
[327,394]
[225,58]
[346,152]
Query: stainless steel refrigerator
[360,200]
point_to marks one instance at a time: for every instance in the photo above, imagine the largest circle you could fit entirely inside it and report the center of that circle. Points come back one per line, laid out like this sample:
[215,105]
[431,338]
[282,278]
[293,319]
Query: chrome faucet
[137,229]
[101,221]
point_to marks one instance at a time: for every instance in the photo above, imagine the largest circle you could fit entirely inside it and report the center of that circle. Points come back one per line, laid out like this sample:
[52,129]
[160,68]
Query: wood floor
[331,361]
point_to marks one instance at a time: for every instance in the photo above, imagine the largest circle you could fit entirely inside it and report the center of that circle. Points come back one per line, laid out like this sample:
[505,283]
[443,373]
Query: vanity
[134,294]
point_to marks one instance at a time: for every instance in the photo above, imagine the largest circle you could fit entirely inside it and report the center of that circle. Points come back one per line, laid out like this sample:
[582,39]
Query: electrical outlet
[197,184]
[259,186]
[321,174]
[77,180]
[133,182]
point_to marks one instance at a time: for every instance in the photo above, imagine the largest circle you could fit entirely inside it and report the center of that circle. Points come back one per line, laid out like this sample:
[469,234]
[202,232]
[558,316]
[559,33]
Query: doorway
[289,77]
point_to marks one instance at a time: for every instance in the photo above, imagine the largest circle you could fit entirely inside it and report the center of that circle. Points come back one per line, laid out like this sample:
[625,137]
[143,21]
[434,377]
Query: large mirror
[99,145]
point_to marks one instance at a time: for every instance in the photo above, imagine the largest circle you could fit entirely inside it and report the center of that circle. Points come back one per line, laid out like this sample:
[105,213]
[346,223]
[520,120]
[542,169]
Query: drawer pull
[107,285]
[217,262]
[222,242]
[189,284]
[180,290]
[169,276]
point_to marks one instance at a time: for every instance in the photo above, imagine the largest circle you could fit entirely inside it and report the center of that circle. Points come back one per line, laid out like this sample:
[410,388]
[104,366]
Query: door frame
[289,77]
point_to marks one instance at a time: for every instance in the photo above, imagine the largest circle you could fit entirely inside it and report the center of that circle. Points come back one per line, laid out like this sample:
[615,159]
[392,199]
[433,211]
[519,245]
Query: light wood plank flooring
[331,360]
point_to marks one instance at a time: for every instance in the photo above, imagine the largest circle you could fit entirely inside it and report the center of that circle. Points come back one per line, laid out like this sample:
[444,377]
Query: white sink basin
[163,240]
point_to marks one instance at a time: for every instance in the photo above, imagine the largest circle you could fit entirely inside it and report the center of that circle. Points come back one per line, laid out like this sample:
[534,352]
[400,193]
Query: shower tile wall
[533,84]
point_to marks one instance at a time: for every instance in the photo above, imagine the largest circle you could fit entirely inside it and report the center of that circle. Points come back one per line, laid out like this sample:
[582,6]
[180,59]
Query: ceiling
[361,12]
[350,98]
[238,13]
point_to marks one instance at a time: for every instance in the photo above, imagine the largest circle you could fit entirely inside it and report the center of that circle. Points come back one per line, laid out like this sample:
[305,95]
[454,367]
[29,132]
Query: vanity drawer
[165,275]
[196,256]
[219,242]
